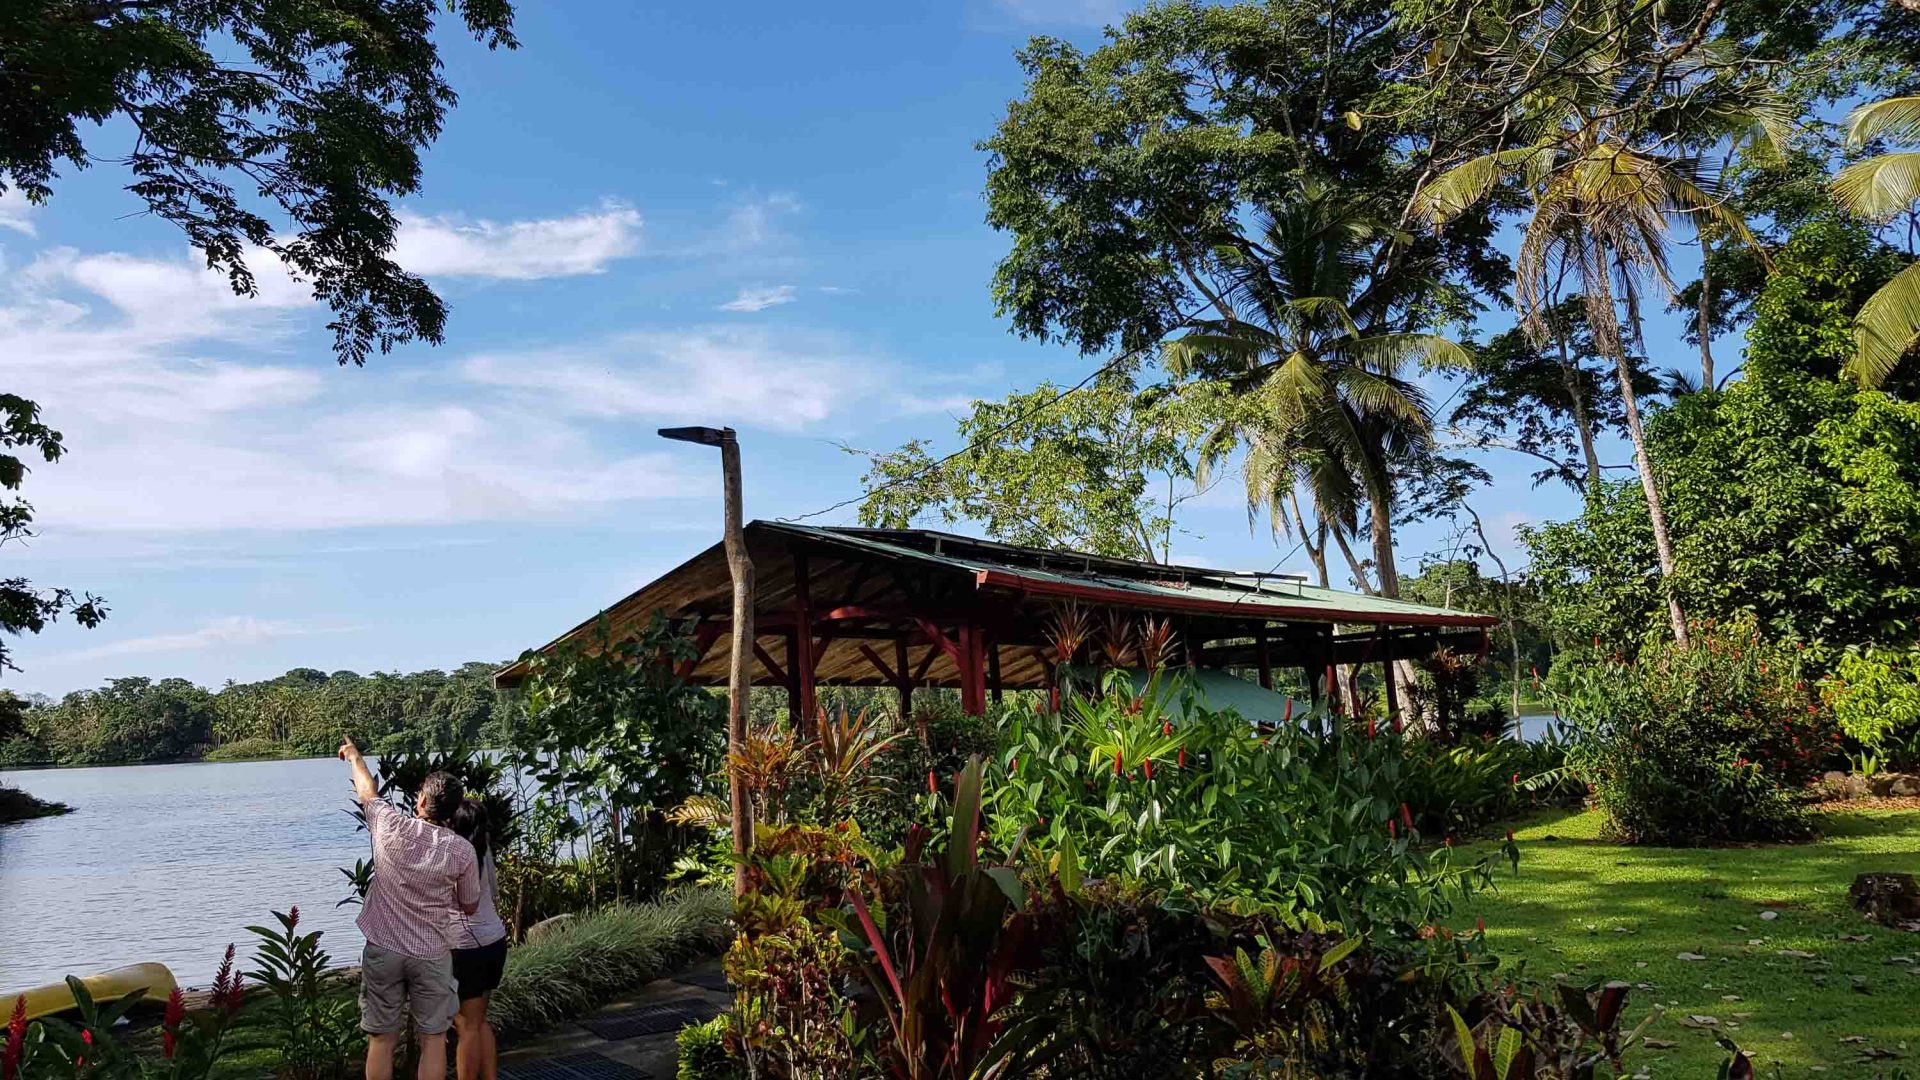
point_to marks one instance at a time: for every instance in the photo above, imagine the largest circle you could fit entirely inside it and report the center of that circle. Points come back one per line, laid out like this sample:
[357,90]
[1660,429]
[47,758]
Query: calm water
[172,862]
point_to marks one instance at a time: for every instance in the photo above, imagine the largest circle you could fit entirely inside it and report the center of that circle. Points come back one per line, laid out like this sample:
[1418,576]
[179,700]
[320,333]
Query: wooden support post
[973,699]
[800,656]
[906,679]
[993,670]
[1386,670]
[1264,658]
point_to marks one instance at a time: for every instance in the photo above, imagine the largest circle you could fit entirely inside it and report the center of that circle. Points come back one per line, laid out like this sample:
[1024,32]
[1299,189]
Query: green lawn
[1595,910]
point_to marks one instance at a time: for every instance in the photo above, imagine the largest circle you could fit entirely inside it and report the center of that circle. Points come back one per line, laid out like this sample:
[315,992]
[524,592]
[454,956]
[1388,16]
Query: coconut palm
[1318,385]
[1877,188]
[1608,160]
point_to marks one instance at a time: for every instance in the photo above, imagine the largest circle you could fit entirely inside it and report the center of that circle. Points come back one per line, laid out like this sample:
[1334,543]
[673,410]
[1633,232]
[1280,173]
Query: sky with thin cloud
[629,235]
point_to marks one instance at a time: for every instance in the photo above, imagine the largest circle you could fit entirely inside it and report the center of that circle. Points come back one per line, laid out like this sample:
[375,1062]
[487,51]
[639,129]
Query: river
[172,862]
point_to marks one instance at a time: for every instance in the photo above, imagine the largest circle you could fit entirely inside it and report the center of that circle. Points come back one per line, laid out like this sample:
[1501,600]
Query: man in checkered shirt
[422,873]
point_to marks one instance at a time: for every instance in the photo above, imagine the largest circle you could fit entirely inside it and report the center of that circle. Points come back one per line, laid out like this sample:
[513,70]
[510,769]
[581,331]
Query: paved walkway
[628,1040]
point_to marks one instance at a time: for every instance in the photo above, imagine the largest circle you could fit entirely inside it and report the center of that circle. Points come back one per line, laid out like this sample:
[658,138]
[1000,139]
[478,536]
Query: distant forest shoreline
[300,714]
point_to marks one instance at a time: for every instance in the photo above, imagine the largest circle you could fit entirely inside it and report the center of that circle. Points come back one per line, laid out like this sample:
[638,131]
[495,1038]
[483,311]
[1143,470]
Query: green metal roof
[1212,591]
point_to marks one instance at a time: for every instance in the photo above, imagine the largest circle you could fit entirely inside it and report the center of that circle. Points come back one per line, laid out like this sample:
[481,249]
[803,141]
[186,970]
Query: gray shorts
[391,982]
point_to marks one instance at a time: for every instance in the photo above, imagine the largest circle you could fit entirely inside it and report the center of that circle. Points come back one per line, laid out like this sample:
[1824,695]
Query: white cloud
[162,439]
[521,250]
[732,375]
[762,298]
[15,211]
[756,222]
[227,632]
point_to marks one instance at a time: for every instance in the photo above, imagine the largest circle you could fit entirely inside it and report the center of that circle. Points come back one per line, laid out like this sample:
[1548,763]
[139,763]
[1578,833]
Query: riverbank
[17,805]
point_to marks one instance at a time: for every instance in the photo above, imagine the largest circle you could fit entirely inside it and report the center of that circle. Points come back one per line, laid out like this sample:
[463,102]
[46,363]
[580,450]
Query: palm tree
[1877,188]
[1317,388]
[1606,163]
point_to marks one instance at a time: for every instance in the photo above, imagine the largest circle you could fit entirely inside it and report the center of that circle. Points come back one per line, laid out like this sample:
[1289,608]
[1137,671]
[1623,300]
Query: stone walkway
[630,1039]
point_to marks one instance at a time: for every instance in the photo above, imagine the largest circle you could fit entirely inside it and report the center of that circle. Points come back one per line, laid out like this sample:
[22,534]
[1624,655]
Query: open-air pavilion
[913,608]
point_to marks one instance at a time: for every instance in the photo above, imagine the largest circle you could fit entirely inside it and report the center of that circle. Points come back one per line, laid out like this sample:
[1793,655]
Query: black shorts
[477,971]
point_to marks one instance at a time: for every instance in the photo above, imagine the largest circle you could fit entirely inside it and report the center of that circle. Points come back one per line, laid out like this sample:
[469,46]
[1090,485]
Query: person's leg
[382,981]
[431,997]
[490,1049]
[380,1055]
[433,1056]
[470,1051]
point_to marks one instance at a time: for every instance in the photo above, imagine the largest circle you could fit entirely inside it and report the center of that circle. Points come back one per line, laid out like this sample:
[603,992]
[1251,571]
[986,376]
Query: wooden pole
[906,679]
[1264,658]
[1386,669]
[802,655]
[740,566]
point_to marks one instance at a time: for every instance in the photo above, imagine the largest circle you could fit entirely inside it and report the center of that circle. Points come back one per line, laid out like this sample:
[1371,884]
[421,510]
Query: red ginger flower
[933,786]
[1392,833]
[1406,817]
[170,1023]
[1183,757]
[1148,765]
[1118,763]
[1166,727]
[16,1039]
[293,917]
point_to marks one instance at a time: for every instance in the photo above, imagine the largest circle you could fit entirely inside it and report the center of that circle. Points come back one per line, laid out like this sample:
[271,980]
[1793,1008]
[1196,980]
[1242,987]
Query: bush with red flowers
[1704,744]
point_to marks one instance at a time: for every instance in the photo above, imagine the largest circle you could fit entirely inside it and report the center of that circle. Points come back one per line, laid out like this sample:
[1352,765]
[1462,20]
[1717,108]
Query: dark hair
[443,795]
[470,821]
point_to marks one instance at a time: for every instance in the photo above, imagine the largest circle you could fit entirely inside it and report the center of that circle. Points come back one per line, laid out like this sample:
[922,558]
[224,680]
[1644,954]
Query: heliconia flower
[16,1039]
[170,1023]
[1183,757]
[1148,766]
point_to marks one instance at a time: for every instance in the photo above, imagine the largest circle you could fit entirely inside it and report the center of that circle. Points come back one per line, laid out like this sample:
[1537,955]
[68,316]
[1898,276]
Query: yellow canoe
[108,986]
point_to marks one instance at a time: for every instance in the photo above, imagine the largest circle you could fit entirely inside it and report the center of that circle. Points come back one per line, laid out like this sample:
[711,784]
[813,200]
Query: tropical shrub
[572,970]
[1305,818]
[1701,745]
[316,1032]
[1565,1033]
[1875,696]
[191,1044]
[702,1052]
[251,748]
[1454,790]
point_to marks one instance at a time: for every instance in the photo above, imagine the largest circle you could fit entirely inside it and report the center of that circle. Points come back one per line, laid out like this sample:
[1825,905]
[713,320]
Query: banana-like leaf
[1879,187]
[1895,118]
[1885,327]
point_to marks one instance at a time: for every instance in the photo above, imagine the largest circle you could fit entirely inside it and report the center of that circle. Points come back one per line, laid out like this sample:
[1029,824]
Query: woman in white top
[479,944]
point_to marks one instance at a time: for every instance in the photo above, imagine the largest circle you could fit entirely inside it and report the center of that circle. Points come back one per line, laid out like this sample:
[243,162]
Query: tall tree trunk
[1315,551]
[1360,579]
[1582,420]
[1606,324]
[1703,321]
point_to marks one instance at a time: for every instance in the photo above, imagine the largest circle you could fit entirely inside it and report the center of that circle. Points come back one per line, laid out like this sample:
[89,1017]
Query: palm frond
[1879,187]
[1886,327]
[1453,192]
[1895,118]
[1388,353]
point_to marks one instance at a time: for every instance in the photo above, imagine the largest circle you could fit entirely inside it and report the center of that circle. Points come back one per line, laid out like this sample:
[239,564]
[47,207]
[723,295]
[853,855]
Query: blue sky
[763,214]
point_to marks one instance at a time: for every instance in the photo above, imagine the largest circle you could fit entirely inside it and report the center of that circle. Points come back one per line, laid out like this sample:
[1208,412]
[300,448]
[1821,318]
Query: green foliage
[942,933]
[320,114]
[1091,472]
[54,1048]
[317,1033]
[1875,695]
[1566,1033]
[1792,496]
[575,968]
[615,739]
[702,1052]
[303,713]
[1700,745]
[25,608]
[1308,818]
[1455,790]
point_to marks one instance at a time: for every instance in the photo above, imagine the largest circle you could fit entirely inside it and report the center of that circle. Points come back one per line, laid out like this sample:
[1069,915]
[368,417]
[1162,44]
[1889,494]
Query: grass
[1592,910]
[575,969]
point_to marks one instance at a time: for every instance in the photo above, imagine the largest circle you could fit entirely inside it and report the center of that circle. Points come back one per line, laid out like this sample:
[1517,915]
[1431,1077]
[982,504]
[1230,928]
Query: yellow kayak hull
[108,986]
